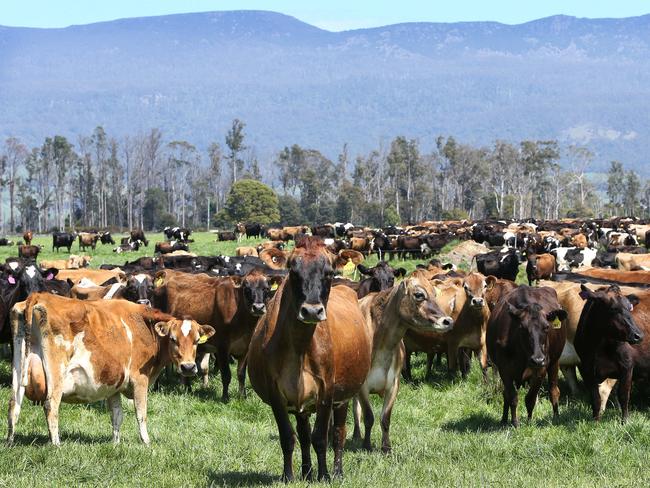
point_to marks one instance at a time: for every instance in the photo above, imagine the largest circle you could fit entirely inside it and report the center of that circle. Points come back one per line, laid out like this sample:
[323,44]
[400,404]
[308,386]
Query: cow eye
[419,296]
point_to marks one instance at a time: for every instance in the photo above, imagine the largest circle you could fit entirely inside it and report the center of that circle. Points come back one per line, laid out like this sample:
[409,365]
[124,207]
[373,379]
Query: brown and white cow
[540,266]
[82,352]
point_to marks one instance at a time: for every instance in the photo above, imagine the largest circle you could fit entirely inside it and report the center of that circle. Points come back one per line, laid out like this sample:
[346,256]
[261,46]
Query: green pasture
[444,432]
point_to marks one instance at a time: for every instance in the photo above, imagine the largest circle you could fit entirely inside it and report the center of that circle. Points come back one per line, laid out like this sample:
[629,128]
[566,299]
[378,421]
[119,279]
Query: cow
[409,245]
[291,233]
[326,231]
[615,275]
[310,323]
[98,276]
[525,338]
[632,262]
[567,258]
[82,352]
[28,252]
[87,240]
[389,314]
[27,237]
[128,246]
[500,264]
[168,247]
[246,251]
[138,235]
[231,305]
[254,230]
[225,235]
[177,233]
[539,266]
[613,343]
[73,262]
[105,237]
[87,290]
[6,242]
[382,245]
[380,277]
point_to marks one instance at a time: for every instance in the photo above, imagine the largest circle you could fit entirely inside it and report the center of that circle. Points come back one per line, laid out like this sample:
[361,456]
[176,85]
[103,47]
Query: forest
[150,180]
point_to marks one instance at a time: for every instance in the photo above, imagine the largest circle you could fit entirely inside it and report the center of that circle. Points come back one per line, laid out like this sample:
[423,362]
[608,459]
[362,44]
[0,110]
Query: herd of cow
[313,341]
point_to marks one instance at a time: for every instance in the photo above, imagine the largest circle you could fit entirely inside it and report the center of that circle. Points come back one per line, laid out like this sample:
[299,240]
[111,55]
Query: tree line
[147,181]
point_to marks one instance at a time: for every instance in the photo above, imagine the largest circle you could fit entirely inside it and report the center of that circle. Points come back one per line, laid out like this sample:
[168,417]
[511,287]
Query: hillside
[579,80]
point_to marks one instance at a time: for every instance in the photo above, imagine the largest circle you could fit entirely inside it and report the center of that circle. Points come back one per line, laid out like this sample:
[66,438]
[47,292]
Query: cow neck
[243,314]
[391,328]
[473,312]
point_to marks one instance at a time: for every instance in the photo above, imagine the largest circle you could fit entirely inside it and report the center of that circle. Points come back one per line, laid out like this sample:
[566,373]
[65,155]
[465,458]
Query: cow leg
[406,371]
[287,438]
[510,401]
[569,373]
[17,388]
[428,375]
[223,359]
[553,388]
[533,393]
[140,401]
[51,407]
[600,394]
[340,414]
[624,387]
[115,406]
[319,438]
[241,376]
[389,400]
[356,413]
[203,361]
[368,417]
[464,361]
[452,357]
[304,437]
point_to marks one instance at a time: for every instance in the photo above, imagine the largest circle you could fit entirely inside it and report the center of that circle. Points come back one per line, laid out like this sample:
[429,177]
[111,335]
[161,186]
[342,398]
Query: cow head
[184,337]
[139,288]
[418,305]
[28,277]
[613,311]
[257,288]
[532,326]
[475,286]
[383,275]
[310,279]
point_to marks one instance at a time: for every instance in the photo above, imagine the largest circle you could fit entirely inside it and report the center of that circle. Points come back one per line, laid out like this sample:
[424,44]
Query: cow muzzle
[312,313]
[187,369]
[145,301]
[537,361]
[443,324]
[477,302]
[258,309]
[635,337]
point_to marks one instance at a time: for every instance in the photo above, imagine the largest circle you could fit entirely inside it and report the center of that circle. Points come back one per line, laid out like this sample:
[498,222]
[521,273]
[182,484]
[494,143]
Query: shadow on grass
[237,478]
[72,437]
[477,422]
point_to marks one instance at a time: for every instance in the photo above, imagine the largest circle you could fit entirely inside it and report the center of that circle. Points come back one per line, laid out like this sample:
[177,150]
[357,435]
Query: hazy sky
[328,14]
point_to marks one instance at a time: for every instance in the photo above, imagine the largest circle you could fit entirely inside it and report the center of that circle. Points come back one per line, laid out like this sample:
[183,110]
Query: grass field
[444,433]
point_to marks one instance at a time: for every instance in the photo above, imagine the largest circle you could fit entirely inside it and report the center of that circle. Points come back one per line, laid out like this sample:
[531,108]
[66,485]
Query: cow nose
[259,308]
[537,360]
[311,314]
[144,301]
[637,337]
[188,369]
[444,323]
[477,302]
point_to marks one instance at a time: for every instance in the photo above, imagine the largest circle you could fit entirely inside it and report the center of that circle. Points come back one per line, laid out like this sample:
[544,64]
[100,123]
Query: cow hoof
[386,449]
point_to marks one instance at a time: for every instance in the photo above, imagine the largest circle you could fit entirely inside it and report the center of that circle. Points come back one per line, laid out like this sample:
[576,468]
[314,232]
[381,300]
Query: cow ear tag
[159,282]
[274,286]
[203,339]
[11,280]
[438,291]
[557,324]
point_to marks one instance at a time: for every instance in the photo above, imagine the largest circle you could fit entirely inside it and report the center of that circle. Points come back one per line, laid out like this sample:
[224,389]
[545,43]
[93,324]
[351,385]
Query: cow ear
[49,273]
[275,281]
[237,281]
[159,279]
[585,292]
[205,331]
[162,328]
[400,272]
[556,314]
[362,269]
[514,311]
[634,300]
[490,281]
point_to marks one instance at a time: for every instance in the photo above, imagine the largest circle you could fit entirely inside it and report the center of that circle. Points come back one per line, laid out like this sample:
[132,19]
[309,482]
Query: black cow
[62,239]
[178,233]
[255,230]
[433,243]
[325,231]
[381,277]
[105,237]
[500,264]
[5,242]
[226,235]
[138,235]
[383,245]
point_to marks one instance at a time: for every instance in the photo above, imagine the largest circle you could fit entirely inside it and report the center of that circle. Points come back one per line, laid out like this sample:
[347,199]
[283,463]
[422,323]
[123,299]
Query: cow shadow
[240,478]
[42,439]
[476,422]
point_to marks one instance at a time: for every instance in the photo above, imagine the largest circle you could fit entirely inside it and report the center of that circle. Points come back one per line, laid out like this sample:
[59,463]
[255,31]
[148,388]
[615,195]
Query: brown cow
[231,305]
[27,237]
[361,244]
[613,342]
[579,241]
[28,252]
[389,314]
[617,275]
[632,262]
[88,240]
[525,339]
[98,276]
[274,258]
[170,247]
[540,266]
[310,353]
[496,289]
[82,352]
[246,251]
[73,262]
[290,233]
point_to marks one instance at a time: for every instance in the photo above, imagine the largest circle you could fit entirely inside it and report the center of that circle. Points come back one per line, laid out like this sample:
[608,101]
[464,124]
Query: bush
[252,201]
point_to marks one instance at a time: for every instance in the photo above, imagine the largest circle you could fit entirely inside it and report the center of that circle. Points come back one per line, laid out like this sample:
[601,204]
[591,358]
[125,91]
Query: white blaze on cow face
[30,271]
[140,278]
[186,327]
[13,265]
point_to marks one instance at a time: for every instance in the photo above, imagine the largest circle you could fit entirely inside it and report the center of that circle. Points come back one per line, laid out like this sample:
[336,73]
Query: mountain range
[581,81]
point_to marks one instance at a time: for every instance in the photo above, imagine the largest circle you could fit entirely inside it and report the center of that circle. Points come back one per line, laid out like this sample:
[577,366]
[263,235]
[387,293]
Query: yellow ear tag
[557,324]
[159,282]
[438,291]
[203,339]
[274,286]
[349,267]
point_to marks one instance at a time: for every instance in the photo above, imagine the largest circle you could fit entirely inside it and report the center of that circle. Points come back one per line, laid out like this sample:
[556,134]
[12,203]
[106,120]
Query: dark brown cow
[230,305]
[380,277]
[27,237]
[540,267]
[310,353]
[138,235]
[84,352]
[613,342]
[28,252]
[525,339]
[169,247]
[496,289]
[617,275]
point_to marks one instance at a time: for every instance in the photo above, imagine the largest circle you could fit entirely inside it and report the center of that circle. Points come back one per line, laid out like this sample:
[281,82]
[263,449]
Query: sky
[333,15]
